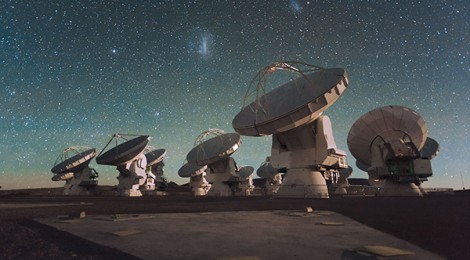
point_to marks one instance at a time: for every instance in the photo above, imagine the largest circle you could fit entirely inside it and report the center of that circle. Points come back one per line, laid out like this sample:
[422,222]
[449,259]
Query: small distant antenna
[461,177]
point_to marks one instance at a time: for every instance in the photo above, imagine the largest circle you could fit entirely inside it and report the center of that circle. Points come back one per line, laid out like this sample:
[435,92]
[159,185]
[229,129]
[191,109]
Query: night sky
[75,74]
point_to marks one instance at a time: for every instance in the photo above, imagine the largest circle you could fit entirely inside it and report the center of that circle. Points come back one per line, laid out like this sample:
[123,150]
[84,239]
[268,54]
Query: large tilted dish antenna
[73,159]
[209,151]
[383,124]
[309,92]
[122,152]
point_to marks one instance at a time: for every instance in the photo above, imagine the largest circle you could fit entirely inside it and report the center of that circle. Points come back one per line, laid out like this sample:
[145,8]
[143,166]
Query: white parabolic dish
[385,123]
[293,104]
[124,152]
[266,170]
[245,171]
[62,176]
[191,169]
[75,163]
[155,156]
[214,149]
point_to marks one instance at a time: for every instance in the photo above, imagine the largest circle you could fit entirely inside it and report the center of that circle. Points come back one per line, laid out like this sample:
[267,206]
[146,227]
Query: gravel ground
[27,239]
[436,223]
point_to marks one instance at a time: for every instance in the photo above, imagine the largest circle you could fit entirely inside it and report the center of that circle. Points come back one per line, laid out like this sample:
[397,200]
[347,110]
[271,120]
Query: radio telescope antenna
[129,160]
[197,178]
[211,150]
[391,143]
[196,171]
[343,183]
[461,177]
[72,166]
[215,153]
[246,186]
[303,140]
[272,175]
[155,178]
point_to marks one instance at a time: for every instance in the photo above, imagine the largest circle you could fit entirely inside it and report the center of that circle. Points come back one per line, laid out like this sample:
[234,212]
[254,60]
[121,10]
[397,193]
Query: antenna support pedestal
[199,184]
[303,183]
[82,183]
[391,188]
[132,175]
[308,152]
[246,187]
[219,174]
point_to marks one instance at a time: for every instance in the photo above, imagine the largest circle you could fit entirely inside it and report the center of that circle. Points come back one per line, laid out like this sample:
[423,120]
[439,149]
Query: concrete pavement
[246,235]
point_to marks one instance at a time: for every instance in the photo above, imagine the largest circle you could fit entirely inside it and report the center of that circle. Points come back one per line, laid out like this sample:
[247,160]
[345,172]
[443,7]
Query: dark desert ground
[438,223]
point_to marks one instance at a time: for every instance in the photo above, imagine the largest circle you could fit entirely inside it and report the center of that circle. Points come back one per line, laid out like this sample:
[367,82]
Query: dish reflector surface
[155,156]
[346,171]
[245,171]
[75,163]
[191,169]
[362,166]
[384,124]
[124,152]
[430,148]
[62,176]
[295,103]
[266,170]
[214,149]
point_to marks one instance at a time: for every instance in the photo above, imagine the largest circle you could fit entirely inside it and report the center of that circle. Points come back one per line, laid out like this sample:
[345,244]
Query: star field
[76,73]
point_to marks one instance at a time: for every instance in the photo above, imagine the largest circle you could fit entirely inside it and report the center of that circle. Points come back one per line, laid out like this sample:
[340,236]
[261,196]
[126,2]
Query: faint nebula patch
[294,4]
[201,43]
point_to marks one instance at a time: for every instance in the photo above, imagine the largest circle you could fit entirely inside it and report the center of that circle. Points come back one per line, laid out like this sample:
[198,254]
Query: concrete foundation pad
[240,235]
